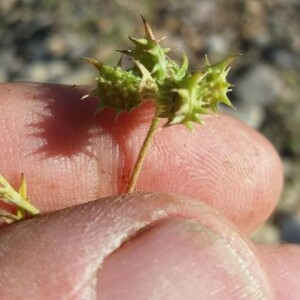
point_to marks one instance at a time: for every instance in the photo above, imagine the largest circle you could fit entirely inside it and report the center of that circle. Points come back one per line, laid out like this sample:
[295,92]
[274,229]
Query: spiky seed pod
[214,85]
[119,89]
[184,100]
[149,53]
[187,102]
[182,97]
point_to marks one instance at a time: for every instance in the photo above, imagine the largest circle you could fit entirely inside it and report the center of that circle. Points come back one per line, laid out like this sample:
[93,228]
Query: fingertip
[55,139]
[225,163]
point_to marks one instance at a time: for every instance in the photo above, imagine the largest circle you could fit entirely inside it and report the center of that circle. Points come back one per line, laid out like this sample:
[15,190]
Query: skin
[150,245]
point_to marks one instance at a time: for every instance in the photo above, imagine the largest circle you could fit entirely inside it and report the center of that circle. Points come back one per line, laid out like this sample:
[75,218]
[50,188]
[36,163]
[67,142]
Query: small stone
[7,6]
[36,71]
[260,85]
[76,46]
[41,71]
[105,25]
[78,76]
[284,59]
[3,75]
[290,228]
[252,114]
[217,44]
[56,45]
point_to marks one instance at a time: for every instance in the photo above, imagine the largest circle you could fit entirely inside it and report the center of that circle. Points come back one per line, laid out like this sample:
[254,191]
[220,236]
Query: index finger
[72,156]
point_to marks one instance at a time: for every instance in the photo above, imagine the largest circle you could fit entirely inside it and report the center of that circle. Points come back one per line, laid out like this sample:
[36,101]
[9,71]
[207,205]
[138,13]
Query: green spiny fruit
[184,103]
[115,84]
[180,96]
[214,86]
[184,98]
[149,53]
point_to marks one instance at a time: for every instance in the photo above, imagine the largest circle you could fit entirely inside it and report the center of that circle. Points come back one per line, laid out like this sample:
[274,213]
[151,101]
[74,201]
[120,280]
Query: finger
[54,137]
[283,266]
[176,248]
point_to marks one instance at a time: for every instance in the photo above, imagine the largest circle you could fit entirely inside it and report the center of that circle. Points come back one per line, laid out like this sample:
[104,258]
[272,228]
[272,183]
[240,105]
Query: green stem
[143,152]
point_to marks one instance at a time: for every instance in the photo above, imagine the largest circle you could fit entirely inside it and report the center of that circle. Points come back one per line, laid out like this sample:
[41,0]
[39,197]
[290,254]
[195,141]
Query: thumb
[138,246]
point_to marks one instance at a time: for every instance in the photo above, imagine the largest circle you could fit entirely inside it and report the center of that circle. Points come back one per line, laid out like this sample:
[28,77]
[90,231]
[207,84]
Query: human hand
[154,245]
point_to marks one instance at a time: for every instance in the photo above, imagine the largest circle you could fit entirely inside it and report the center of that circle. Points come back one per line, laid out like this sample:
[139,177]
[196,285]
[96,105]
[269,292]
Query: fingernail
[178,259]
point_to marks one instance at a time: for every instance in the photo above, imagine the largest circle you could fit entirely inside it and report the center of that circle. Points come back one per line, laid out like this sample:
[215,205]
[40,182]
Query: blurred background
[42,40]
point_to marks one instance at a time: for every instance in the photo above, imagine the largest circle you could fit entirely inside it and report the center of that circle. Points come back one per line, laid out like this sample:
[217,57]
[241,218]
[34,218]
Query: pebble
[284,59]
[261,85]
[289,226]
[41,71]
[218,44]
[56,45]
[79,76]
[3,75]
[76,45]
[251,114]
[7,6]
